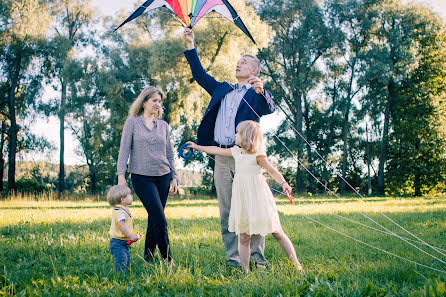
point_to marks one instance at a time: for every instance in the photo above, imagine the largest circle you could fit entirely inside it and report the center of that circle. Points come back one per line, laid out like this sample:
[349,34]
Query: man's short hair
[255,62]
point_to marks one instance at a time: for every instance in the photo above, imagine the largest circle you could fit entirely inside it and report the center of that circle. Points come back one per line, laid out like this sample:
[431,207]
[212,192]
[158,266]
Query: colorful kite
[191,11]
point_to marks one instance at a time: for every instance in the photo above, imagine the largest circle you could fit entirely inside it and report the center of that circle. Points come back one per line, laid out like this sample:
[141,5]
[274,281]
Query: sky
[49,127]
[109,7]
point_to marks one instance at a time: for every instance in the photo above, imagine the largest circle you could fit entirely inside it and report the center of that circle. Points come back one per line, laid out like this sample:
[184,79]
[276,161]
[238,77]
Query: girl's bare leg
[288,247]
[244,249]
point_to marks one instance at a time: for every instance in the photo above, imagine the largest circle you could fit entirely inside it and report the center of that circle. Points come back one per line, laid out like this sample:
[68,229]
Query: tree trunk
[417,185]
[417,177]
[331,134]
[300,185]
[93,181]
[2,160]
[12,145]
[346,127]
[62,138]
[384,141]
[345,149]
[306,116]
[369,180]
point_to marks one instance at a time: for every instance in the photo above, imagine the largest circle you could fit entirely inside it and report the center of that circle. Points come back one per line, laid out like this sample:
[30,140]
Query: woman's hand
[173,186]
[121,180]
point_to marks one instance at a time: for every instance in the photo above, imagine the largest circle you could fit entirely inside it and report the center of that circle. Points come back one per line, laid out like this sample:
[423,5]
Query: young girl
[253,210]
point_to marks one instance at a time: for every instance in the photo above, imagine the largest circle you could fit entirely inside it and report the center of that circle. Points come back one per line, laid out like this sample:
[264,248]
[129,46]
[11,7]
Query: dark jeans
[120,252]
[153,191]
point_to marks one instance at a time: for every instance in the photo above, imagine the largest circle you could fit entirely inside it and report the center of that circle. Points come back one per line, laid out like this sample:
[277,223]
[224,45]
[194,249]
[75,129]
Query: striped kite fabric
[191,11]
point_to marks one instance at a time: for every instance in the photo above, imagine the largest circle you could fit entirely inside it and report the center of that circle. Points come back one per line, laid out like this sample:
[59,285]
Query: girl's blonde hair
[250,136]
[115,194]
[137,107]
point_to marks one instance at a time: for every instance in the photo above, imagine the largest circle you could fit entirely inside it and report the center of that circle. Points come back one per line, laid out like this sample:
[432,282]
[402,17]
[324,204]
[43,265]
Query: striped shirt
[150,151]
[224,131]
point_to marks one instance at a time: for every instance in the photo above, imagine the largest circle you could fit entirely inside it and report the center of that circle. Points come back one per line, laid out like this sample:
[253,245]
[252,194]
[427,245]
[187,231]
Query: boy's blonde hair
[115,194]
[250,136]
[137,107]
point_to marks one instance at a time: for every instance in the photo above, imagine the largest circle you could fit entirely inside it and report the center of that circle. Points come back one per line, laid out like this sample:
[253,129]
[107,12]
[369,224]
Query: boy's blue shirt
[262,104]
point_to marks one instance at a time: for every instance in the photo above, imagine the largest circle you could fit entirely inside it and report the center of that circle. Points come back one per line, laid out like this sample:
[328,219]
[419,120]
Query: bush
[199,192]
[31,186]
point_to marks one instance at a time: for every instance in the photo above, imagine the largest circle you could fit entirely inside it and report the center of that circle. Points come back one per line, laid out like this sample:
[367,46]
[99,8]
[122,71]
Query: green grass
[60,248]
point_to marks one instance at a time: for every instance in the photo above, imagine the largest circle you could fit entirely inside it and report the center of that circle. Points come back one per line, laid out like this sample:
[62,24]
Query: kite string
[372,246]
[280,193]
[306,141]
[337,173]
[348,236]
[324,160]
[396,235]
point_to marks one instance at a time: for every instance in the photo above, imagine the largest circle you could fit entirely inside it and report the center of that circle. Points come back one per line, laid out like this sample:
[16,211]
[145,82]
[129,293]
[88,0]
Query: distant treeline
[361,84]
[43,176]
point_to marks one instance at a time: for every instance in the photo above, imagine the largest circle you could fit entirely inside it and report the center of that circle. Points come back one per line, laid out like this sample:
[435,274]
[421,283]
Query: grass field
[60,248]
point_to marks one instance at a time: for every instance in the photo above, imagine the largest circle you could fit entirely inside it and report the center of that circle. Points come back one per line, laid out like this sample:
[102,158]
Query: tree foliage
[418,152]
[23,27]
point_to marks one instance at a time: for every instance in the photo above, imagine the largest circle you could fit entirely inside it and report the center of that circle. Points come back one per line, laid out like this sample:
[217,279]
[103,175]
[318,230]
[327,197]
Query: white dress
[253,210]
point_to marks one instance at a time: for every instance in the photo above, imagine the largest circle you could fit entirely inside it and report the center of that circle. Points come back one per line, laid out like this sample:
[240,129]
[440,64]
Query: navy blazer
[262,104]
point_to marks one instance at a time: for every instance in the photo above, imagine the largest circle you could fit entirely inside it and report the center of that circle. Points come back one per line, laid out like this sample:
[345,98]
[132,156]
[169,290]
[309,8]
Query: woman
[145,139]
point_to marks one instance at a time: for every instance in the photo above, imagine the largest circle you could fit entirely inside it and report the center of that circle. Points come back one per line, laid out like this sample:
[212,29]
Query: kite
[191,11]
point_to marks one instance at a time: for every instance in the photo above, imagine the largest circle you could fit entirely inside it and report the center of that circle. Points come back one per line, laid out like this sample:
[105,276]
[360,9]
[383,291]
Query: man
[229,105]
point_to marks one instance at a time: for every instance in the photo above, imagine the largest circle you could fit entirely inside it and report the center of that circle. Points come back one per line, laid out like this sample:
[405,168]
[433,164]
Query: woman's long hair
[137,106]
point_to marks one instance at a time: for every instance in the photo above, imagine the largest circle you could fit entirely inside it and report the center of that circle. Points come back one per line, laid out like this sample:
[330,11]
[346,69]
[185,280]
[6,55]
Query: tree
[71,17]
[300,41]
[417,160]
[354,19]
[88,121]
[391,57]
[23,24]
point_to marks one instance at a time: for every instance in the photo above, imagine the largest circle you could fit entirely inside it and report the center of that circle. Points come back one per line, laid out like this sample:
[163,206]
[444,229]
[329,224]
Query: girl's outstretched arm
[275,174]
[212,150]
